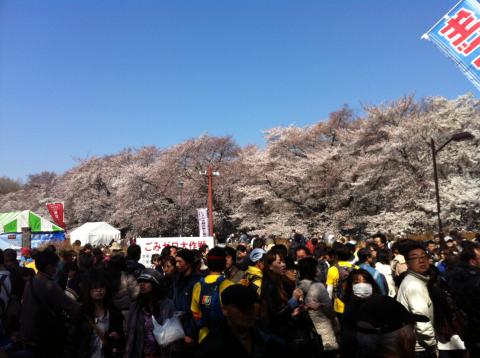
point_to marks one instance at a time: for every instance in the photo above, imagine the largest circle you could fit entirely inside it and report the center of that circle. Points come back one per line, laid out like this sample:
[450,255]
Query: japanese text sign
[203,222]
[457,35]
[155,245]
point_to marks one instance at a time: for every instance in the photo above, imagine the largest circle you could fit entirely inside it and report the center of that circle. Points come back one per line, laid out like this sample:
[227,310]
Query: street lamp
[209,173]
[181,184]
[457,137]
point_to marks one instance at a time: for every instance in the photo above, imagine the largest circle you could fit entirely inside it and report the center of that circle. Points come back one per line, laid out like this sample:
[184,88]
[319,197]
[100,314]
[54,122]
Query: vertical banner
[457,35]
[56,212]
[203,222]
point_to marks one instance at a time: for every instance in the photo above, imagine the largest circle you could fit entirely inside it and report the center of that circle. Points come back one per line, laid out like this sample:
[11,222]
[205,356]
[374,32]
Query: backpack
[210,306]
[339,289]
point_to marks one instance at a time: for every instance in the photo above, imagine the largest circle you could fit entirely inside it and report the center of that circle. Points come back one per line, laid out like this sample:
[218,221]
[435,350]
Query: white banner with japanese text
[203,222]
[154,245]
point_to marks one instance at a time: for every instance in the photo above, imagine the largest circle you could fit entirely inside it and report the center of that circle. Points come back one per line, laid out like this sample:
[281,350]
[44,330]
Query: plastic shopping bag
[169,332]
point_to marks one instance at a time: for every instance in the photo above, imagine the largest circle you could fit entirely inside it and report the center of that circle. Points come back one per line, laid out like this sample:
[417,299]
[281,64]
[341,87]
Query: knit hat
[383,314]
[150,275]
[256,255]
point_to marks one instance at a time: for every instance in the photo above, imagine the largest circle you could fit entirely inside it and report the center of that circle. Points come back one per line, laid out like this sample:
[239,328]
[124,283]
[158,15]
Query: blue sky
[81,78]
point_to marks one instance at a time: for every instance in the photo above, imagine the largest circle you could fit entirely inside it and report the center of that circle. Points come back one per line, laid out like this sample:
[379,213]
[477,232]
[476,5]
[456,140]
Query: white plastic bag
[169,332]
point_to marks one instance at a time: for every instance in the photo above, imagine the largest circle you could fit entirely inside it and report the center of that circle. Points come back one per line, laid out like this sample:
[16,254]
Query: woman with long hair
[151,301]
[169,269]
[98,333]
[360,285]
[278,306]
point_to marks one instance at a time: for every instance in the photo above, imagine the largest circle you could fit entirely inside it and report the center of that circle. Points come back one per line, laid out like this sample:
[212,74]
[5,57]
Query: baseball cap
[239,296]
[256,255]
[383,314]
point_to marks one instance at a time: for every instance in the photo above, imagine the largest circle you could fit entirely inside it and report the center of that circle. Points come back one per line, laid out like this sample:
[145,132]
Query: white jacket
[413,294]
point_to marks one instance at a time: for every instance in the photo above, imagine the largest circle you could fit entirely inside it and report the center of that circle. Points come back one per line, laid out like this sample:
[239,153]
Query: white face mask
[362,290]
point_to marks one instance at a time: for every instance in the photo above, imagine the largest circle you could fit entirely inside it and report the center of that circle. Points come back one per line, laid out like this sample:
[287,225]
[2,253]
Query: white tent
[99,233]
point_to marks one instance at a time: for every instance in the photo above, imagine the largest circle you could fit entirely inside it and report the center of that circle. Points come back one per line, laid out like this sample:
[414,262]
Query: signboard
[457,35]
[203,222]
[154,245]
[14,241]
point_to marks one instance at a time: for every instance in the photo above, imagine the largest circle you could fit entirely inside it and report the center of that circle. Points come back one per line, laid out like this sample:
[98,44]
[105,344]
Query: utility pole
[210,174]
[210,200]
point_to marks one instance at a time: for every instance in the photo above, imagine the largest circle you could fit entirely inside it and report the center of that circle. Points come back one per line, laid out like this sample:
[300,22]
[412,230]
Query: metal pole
[210,200]
[437,194]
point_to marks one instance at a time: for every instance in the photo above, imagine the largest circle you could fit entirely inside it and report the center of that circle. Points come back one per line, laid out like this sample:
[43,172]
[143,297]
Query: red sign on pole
[56,212]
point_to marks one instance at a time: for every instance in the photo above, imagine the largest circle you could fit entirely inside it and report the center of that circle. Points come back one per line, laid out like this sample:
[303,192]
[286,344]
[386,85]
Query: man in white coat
[413,294]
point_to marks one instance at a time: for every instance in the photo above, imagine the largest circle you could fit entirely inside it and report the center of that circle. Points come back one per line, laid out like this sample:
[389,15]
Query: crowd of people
[363,298]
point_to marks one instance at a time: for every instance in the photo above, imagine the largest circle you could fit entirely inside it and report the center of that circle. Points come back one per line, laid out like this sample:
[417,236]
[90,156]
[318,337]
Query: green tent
[14,221]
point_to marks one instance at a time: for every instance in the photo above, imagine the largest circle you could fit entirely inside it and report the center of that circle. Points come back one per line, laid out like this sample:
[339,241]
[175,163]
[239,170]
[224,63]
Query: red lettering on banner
[183,244]
[476,63]
[147,248]
[156,246]
[460,28]
[192,245]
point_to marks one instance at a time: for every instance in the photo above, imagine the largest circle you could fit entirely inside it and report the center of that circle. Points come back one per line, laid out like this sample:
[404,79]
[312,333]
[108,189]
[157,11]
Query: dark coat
[42,322]
[464,285]
[135,329]
[277,315]
[80,335]
[221,343]
[349,346]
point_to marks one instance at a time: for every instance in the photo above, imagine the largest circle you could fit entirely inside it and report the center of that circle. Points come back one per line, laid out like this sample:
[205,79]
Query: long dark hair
[349,283]
[277,297]
[95,279]
[150,301]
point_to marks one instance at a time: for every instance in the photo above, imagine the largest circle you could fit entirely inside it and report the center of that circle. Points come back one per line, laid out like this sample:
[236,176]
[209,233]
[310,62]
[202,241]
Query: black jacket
[80,334]
[221,343]
[464,285]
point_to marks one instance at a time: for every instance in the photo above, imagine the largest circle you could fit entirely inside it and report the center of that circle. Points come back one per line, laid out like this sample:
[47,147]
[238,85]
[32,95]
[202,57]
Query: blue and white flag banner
[457,35]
